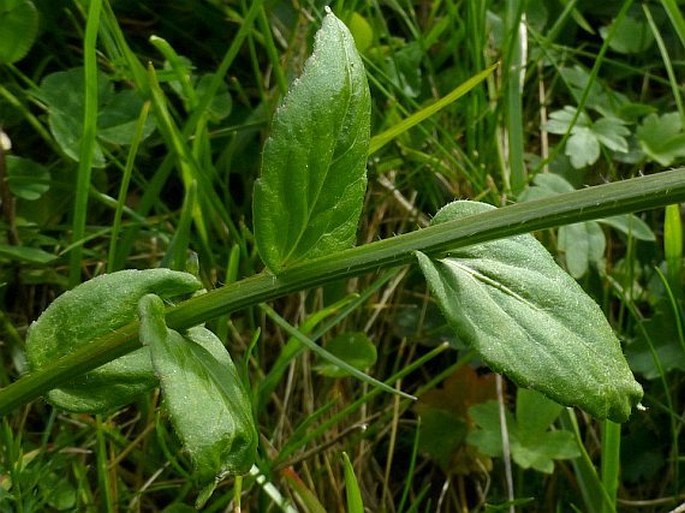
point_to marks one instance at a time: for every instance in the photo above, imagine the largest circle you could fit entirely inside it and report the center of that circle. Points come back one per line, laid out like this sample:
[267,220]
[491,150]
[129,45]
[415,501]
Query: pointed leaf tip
[309,197]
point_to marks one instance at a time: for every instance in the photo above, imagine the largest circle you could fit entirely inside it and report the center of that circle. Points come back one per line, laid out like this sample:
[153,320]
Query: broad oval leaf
[310,194]
[19,27]
[208,404]
[92,309]
[531,321]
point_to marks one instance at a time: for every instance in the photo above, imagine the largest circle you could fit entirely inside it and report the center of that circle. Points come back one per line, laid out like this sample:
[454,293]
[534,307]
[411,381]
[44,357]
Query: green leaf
[352,491]
[92,309]
[532,444]
[207,401]
[658,338]
[582,147]
[612,133]
[631,36]
[600,98]
[221,104]
[581,243]
[662,137]
[442,434]
[361,30]
[63,93]
[355,349]
[546,185]
[118,117]
[309,197]
[531,321]
[560,120]
[631,225]
[488,439]
[27,179]
[445,420]
[26,254]
[534,412]
[19,27]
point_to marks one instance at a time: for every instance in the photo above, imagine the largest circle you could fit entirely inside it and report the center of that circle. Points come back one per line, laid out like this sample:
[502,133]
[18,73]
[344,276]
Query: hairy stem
[595,202]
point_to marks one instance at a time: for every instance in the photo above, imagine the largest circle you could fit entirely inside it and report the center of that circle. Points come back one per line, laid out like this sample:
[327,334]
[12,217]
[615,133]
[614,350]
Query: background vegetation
[585,93]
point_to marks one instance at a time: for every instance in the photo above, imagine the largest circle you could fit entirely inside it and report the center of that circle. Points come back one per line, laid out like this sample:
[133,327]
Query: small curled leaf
[207,402]
[90,310]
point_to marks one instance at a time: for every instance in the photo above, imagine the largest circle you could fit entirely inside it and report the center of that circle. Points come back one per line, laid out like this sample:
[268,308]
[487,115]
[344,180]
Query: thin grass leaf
[113,261]
[352,491]
[88,142]
[380,140]
[675,14]
[322,353]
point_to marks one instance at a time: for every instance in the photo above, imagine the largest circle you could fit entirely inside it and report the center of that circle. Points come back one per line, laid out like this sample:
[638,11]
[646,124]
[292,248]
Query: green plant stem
[592,489]
[88,143]
[514,68]
[676,16]
[611,460]
[595,202]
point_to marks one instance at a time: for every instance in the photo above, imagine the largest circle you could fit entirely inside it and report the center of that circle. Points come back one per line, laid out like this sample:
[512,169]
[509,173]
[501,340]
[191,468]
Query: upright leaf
[531,321]
[309,197]
[354,494]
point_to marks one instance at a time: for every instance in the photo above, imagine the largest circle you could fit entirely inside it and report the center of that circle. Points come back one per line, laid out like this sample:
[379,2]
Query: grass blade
[88,141]
[352,491]
[320,351]
[611,461]
[380,140]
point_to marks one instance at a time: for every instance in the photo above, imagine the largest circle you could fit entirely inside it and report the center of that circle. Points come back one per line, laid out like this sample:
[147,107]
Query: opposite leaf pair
[203,393]
[507,299]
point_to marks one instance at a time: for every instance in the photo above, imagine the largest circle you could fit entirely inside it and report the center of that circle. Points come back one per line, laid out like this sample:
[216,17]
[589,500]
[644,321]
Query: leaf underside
[531,321]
